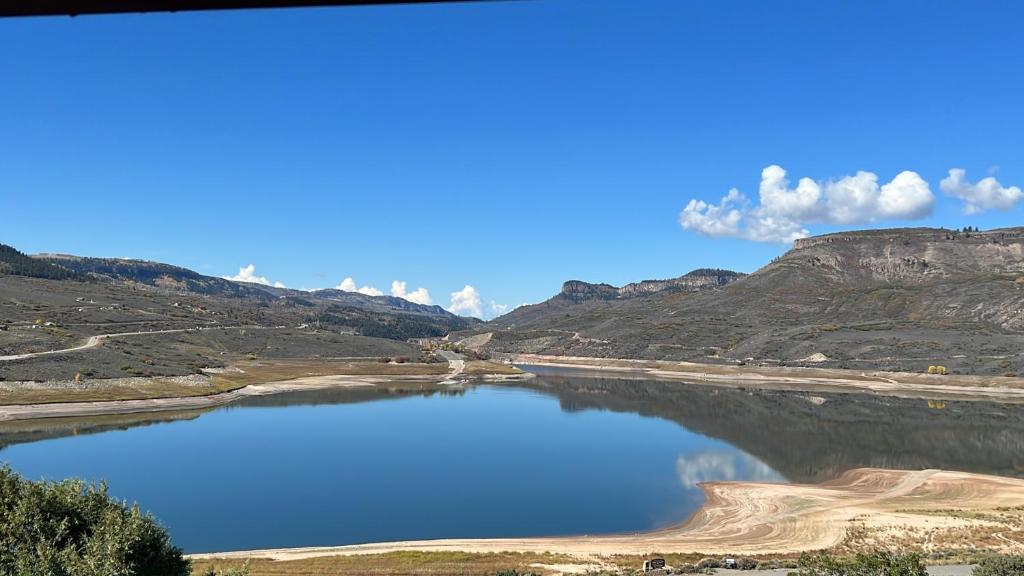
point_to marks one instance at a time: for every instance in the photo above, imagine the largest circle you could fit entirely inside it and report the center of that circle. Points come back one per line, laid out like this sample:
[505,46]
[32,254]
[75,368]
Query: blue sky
[507,146]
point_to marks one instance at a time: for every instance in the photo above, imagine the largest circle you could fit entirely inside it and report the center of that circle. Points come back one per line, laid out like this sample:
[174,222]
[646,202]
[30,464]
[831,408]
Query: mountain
[154,274]
[898,299]
[175,279]
[168,291]
[575,292]
[15,263]
[701,279]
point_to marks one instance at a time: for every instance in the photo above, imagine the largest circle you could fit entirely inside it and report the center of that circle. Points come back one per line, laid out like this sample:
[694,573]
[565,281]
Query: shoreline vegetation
[931,511]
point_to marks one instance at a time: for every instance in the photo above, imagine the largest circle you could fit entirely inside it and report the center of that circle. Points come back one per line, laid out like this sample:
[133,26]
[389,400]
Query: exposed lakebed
[559,454]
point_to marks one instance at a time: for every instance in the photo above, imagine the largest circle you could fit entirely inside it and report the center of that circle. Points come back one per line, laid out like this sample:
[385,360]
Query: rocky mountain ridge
[700,279]
[897,299]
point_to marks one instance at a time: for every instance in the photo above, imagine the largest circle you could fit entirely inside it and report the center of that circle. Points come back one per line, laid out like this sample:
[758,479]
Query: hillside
[155,274]
[54,302]
[899,299]
[15,263]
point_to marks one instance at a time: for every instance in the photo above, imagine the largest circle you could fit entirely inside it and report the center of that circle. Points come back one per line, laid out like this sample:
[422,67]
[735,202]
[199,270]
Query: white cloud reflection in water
[719,466]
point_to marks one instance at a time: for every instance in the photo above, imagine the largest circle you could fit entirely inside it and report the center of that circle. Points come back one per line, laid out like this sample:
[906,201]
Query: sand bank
[862,509]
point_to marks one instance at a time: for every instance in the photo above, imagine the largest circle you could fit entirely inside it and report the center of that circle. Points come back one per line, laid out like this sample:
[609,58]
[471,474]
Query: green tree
[72,528]
[1000,566]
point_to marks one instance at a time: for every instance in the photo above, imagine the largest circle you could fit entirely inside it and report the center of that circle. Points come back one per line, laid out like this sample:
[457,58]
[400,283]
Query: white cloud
[466,302]
[417,296]
[722,219]
[777,198]
[906,197]
[782,212]
[349,285]
[497,309]
[986,194]
[248,274]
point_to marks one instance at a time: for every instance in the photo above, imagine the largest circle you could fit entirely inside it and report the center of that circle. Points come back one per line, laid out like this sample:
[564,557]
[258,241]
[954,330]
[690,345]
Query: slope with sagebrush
[899,299]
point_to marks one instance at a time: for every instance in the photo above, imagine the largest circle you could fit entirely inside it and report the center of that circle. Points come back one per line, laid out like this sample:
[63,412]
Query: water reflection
[810,437]
[716,466]
[806,437]
[558,454]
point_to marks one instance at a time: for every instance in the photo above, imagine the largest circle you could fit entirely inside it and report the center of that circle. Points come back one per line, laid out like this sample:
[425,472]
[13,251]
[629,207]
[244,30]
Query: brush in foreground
[72,528]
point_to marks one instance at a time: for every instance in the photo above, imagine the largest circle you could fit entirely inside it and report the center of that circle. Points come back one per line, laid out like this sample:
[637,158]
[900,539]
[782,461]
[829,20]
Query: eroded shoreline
[899,384]
[919,509]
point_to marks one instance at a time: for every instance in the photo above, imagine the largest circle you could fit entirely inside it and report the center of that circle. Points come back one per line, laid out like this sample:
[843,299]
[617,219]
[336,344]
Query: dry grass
[251,372]
[462,563]
[261,371]
[119,389]
[485,367]
[395,564]
[767,374]
[956,534]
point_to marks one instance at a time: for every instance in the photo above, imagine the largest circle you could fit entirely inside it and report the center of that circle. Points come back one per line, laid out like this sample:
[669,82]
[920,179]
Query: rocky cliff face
[702,279]
[579,291]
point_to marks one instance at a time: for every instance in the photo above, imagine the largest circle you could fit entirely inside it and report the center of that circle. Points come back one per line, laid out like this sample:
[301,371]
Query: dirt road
[456,365]
[95,341]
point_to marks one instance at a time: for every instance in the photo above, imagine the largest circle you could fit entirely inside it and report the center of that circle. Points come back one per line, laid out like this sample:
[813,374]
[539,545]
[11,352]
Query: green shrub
[875,564]
[1000,566]
[71,528]
[709,563]
[746,563]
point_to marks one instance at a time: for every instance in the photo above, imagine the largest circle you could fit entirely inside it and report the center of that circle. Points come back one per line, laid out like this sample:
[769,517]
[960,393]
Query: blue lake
[557,455]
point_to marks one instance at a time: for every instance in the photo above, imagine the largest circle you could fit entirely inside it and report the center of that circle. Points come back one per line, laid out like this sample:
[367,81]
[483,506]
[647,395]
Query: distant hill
[577,292]
[240,302]
[899,299]
[153,274]
[16,263]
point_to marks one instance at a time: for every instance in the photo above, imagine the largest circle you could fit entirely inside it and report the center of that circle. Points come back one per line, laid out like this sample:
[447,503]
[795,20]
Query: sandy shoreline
[899,384]
[912,507]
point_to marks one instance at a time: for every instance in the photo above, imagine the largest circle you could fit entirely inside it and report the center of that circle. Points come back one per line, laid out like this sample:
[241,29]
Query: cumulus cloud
[497,309]
[248,274]
[782,211]
[986,194]
[418,296]
[349,285]
[466,302]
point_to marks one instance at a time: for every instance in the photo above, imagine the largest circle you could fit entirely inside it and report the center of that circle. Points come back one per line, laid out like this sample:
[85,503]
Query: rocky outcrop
[701,279]
[579,291]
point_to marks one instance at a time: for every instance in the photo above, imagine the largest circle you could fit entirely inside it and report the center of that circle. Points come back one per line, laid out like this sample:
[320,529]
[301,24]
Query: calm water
[563,455]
